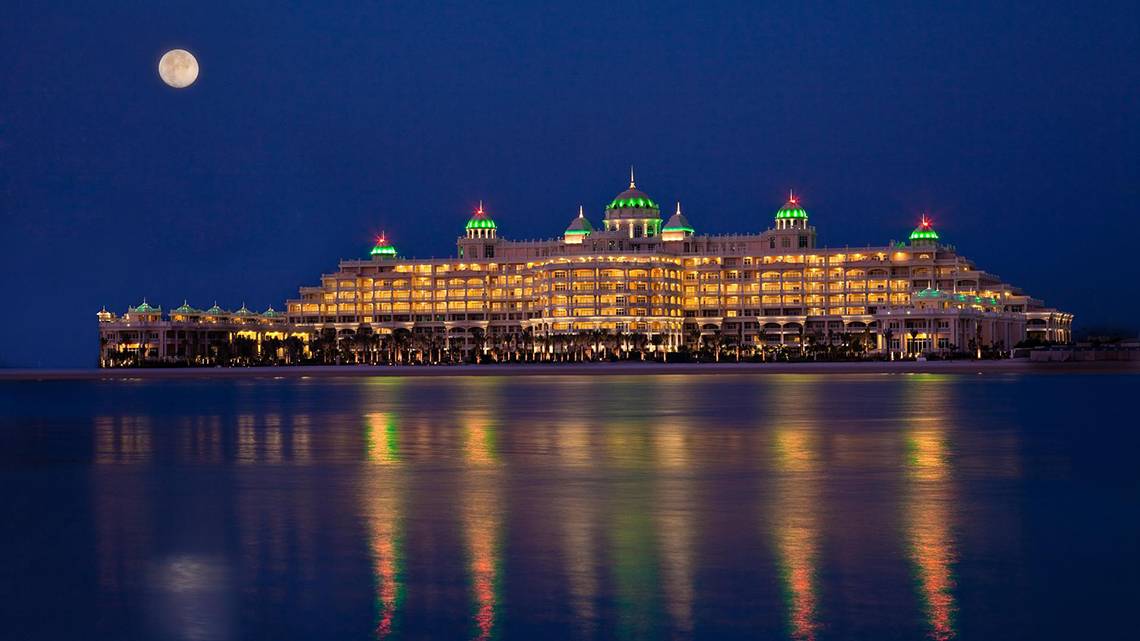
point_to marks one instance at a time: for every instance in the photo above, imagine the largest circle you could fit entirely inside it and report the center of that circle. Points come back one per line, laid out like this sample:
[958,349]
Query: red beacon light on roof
[383,248]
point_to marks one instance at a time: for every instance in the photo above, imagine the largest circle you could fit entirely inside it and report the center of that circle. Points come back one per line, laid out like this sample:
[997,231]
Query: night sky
[310,129]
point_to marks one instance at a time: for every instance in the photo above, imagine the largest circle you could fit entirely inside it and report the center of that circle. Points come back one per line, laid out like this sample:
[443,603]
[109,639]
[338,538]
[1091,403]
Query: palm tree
[619,340]
[363,342]
[658,340]
[387,345]
[269,348]
[727,341]
[479,337]
[103,340]
[528,343]
[294,348]
[718,340]
[639,341]
[401,339]
[693,338]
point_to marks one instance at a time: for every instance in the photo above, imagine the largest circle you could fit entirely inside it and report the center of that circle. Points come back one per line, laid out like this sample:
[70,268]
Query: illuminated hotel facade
[638,275]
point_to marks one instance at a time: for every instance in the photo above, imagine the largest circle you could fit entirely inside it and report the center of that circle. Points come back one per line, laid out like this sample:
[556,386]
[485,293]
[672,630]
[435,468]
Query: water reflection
[929,501]
[384,511]
[122,439]
[201,439]
[675,501]
[785,506]
[482,501]
[797,498]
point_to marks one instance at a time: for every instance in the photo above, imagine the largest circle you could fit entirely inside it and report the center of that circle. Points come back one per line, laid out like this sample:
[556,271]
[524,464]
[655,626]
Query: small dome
[271,313]
[924,232]
[580,224]
[480,219]
[678,222]
[146,307]
[791,209]
[383,248]
[215,310]
[185,308]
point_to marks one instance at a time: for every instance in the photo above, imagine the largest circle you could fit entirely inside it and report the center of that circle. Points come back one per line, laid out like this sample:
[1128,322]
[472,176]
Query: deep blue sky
[311,128]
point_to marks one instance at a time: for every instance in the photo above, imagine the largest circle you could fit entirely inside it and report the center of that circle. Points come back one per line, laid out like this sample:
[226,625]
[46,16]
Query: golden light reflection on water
[200,439]
[675,505]
[676,500]
[482,501]
[381,437]
[929,501]
[579,517]
[578,514]
[246,439]
[302,440]
[796,503]
[122,439]
[630,519]
[384,511]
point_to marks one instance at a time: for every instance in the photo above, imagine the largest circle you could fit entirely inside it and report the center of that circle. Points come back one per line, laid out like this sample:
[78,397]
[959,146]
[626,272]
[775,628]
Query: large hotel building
[632,274]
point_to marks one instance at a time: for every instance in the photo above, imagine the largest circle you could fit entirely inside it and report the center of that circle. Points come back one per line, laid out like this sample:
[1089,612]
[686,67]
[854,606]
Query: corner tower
[480,235]
[792,231]
[924,235]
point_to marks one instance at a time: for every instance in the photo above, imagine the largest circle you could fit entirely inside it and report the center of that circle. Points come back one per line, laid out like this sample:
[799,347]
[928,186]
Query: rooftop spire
[581,212]
[792,196]
[480,210]
[632,185]
[678,206]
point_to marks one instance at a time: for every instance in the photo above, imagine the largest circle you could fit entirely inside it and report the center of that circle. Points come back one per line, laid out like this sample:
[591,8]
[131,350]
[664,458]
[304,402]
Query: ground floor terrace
[889,333]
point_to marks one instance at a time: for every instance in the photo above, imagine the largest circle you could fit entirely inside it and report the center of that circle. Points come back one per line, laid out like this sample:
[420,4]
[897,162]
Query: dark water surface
[639,507]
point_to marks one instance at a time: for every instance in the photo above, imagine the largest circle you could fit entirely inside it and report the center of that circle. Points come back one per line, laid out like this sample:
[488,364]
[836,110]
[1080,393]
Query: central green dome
[791,210]
[481,219]
[632,198]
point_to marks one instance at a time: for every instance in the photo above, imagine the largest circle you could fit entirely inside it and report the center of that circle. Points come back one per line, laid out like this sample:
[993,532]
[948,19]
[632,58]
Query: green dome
[146,307]
[791,209]
[580,225]
[632,198]
[678,222]
[185,308]
[924,232]
[383,248]
[480,219]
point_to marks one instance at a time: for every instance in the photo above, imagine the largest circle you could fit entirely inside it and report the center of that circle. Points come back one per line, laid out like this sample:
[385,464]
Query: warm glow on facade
[632,275]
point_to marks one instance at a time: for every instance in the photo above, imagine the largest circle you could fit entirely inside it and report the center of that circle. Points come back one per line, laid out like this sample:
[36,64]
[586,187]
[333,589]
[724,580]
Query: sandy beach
[578,369]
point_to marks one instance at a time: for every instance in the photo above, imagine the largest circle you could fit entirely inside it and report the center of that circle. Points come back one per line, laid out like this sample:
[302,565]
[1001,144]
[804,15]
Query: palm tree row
[476,345]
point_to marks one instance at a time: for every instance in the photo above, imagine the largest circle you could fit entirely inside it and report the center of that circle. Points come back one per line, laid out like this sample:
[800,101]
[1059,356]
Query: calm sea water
[655,507]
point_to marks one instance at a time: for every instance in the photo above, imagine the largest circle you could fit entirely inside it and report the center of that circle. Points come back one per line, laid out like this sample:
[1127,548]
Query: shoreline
[576,369]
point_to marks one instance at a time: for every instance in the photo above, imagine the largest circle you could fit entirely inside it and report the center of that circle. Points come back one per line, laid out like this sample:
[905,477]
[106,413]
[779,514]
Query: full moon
[178,68]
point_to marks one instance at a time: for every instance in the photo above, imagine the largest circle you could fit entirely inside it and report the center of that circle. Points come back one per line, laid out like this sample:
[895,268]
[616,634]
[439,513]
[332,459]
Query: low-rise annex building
[636,276]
